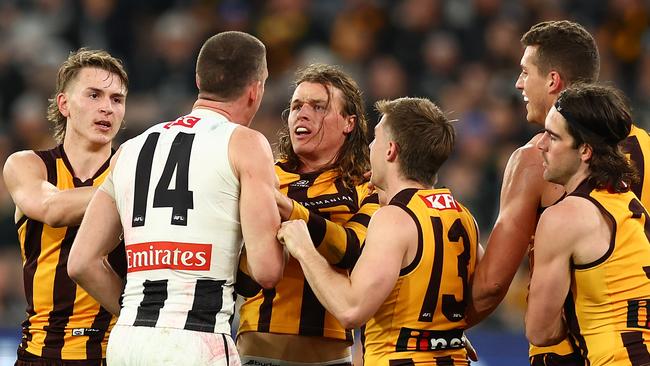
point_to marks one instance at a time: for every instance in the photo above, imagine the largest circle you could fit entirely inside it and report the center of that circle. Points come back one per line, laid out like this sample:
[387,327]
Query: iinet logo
[441,201]
[168,255]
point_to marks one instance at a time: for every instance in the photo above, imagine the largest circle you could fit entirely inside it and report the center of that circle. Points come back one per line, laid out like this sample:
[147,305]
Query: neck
[232,110]
[398,183]
[575,180]
[86,158]
[311,166]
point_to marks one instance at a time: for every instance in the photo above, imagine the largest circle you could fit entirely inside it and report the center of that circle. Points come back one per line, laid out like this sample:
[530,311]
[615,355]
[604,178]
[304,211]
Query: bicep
[379,265]
[551,276]
[25,176]
[254,165]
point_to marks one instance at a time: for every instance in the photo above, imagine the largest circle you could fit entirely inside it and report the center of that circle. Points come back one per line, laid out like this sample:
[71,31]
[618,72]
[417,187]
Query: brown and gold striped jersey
[637,148]
[337,217]
[608,309]
[63,321]
[423,318]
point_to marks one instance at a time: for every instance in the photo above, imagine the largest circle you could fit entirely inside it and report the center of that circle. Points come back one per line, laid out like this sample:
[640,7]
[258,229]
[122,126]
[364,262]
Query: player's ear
[350,121]
[62,103]
[555,82]
[586,151]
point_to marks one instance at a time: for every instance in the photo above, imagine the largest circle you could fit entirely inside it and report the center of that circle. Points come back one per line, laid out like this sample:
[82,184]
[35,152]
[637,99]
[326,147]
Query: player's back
[178,200]
[422,320]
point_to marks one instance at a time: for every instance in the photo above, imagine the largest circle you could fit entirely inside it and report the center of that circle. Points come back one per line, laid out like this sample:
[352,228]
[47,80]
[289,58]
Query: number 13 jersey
[422,320]
[178,200]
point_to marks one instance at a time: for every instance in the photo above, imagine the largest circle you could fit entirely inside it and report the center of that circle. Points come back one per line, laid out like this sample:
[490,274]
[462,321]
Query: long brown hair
[352,160]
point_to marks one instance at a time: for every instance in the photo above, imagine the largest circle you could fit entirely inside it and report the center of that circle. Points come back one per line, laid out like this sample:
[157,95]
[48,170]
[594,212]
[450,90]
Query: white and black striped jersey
[178,201]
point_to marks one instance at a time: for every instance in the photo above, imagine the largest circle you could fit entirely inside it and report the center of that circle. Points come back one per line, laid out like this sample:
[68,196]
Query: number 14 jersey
[178,200]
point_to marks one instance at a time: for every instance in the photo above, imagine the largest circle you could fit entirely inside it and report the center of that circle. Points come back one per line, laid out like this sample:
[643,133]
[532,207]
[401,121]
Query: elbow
[53,217]
[75,270]
[268,280]
[541,338]
[350,319]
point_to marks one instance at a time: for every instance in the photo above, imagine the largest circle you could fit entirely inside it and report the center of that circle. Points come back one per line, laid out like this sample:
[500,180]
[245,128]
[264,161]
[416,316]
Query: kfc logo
[168,255]
[441,201]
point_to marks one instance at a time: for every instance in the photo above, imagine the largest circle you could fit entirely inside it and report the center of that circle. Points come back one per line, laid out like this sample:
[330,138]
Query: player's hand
[471,352]
[285,205]
[294,235]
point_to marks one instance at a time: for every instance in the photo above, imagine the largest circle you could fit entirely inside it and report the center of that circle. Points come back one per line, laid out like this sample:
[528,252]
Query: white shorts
[263,361]
[134,346]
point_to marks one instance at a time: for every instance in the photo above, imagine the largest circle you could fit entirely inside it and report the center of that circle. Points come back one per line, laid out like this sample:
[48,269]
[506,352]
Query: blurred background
[462,54]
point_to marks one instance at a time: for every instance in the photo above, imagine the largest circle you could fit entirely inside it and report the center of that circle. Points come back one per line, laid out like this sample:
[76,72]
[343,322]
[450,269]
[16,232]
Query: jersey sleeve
[340,243]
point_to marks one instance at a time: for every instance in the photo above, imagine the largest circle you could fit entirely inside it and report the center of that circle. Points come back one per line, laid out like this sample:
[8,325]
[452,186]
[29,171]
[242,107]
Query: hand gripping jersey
[637,148]
[609,305]
[423,319]
[178,201]
[63,321]
[338,219]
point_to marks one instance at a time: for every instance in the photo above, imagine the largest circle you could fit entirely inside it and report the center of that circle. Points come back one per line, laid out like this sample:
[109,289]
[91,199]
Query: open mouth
[300,131]
[103,124]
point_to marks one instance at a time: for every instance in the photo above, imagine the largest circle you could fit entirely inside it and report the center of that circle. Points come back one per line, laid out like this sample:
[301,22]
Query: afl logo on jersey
[441,201]
[168,255]
[303,183]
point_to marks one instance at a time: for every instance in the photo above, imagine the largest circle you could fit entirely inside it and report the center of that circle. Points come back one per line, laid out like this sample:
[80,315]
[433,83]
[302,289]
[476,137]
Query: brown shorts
[27,359]
[552,359]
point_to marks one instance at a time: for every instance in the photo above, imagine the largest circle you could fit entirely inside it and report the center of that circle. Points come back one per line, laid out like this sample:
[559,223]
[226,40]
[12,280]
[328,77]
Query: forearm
[67,207]
[506,248]
[100,281]
[339,243]
[333,289]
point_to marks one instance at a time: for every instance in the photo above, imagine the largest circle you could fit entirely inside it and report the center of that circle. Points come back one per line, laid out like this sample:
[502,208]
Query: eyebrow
[97,90]
[551,133]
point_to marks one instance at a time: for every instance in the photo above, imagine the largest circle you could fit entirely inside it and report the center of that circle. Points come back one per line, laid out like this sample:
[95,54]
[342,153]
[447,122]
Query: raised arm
[339,243]
[354,299]
[551,278]
[25,176]
[521,193]
[252,159]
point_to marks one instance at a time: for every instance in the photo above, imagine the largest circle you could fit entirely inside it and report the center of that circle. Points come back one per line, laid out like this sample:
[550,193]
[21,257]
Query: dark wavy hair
[352,160]
[599,116]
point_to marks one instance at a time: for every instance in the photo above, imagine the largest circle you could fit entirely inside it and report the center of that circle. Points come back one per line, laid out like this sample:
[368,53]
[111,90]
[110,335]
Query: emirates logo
[168,255]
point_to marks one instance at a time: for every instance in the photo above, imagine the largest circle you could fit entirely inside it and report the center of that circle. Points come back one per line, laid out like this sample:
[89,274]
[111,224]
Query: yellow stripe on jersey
[63,321]
[423,318]
[607,312]
[337,218]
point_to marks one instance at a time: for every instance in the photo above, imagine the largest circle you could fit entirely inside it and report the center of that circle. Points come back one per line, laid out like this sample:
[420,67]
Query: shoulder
[22,160]
[570,217]
[527,158]
[244,136]
[392,224]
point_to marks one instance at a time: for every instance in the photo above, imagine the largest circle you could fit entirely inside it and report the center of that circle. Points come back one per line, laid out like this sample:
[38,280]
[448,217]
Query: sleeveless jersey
[637,148]
[178,201]
[423,319]
[608,308]
[338,219]
[63,321]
